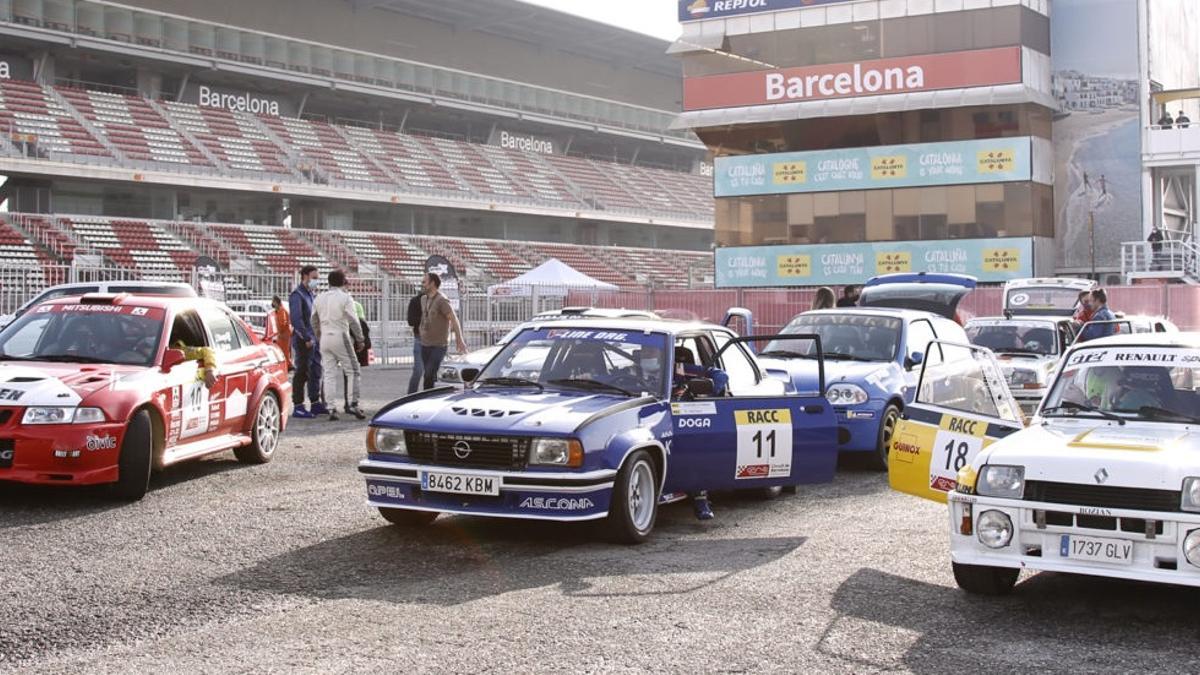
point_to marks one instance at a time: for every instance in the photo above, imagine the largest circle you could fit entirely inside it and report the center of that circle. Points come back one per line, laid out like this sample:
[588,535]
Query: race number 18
[951,452]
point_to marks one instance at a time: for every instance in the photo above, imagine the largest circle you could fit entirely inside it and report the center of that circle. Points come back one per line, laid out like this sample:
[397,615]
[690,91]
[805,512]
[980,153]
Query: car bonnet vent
[483,412]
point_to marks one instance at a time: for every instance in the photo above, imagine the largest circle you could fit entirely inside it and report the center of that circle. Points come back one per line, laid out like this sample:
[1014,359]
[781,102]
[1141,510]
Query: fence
[486,317]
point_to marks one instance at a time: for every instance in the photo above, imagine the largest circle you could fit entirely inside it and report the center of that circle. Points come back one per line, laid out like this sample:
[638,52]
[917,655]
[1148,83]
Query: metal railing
[1173,258]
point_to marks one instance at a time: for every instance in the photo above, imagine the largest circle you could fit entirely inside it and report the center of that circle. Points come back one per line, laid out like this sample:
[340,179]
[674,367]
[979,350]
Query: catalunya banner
[900,75]
[992,160]
[989,260]
[694,10]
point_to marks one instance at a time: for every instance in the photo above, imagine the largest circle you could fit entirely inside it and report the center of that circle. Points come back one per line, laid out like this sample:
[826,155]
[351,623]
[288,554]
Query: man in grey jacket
[335,321]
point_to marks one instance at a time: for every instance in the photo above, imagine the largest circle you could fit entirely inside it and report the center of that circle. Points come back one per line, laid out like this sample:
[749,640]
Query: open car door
[756,441]
[928,292]
[962,405]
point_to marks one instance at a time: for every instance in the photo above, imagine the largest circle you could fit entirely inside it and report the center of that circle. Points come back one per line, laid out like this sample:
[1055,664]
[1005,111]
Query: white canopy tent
[552,277]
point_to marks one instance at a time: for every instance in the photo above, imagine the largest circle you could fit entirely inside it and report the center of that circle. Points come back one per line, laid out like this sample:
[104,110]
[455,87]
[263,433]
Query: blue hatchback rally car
[873,352]
[598,419]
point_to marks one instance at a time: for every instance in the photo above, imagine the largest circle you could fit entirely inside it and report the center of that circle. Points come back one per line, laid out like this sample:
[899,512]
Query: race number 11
[764,443]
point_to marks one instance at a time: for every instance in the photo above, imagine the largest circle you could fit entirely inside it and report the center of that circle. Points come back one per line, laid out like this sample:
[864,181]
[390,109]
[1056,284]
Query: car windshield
[1014,337]
[1155,383]
[846,336]
[592,359]
[1042,299]
[78,333]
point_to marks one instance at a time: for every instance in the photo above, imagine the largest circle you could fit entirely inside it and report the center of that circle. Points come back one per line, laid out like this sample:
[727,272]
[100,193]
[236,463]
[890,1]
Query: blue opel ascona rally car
[599,419]
[873,352]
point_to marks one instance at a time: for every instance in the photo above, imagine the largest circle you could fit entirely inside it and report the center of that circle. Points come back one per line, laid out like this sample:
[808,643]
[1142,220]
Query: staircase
[1176,261]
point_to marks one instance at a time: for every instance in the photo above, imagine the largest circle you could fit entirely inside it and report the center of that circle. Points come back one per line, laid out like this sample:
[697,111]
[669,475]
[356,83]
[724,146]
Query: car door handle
[814,409]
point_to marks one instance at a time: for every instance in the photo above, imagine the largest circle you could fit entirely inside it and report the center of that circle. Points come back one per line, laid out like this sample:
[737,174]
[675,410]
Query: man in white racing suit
[335,321]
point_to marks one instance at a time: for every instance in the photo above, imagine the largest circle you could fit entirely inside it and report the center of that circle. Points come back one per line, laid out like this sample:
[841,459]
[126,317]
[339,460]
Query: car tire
[264,433]
[985,580]
[135,461]
[634,504]
[887,427]
[407,518]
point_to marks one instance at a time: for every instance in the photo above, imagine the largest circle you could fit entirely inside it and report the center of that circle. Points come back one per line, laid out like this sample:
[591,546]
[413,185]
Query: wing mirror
[915,359]
[469,375]
[172,358]
[701,387]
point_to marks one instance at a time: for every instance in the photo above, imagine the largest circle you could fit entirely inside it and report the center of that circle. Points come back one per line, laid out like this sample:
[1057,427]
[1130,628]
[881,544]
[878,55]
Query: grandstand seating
[594,184]
[276,249]
[24,263]
[30,114]
[235,138]
[138,245]
[539,180]
[133,127]
[393,255]
[694,193]
[408,160]
[476,257]
[319,143]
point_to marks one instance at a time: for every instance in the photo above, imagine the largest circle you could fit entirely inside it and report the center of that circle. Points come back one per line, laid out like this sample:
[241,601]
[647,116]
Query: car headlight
[556,452]
[386,441]
[1191,494]
[448,374]
[994,529]
[1000,480]
[1191,547]
[1020,378]
[846,394]
[62,415]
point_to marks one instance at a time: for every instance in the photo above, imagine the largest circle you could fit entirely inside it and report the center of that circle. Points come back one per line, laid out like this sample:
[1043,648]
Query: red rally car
[107,388]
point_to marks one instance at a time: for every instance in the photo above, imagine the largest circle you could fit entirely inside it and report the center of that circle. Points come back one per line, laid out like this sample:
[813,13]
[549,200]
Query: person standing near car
[823,299]
[414,322]
[1100,312]
[849,296]
[304,347]
[335,320]
[437,320]
[280,324]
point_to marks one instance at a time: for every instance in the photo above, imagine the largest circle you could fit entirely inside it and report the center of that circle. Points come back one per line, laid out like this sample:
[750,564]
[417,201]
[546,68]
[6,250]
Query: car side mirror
[172,358]
[915,359]
[469,374]
[701,387]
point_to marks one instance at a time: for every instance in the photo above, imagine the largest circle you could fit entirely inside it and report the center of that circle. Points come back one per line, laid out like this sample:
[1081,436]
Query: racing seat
[686,369]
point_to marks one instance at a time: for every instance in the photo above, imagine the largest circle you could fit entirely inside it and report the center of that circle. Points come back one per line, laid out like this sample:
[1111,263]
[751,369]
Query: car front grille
[468,451]
[1102,496]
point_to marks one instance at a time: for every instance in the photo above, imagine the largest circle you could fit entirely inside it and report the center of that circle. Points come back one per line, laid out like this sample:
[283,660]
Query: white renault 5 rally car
[1104,481]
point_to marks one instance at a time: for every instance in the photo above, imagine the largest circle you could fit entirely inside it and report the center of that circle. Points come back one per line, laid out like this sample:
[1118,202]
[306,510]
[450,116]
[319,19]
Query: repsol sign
[523,142]
[237,101]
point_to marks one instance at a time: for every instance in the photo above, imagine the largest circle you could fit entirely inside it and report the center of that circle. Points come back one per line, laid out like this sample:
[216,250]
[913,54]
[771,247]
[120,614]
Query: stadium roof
[541,26]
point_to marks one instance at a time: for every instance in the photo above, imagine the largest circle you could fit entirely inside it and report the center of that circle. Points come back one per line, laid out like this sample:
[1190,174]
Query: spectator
[849,296]
[279,329]
[1182,121]
[437,320]
[364,354]
[337,328]
[1100,312]
[1155,239]
[414,321]
[1083,307]
[823,299]
[304,347]
[1165,121]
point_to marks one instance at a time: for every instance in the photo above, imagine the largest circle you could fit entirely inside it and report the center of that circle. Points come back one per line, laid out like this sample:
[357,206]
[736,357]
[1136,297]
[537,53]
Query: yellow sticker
[775,416]
[962,425]
[1001,259]
[894,261]
[889,166]
[794,266]
[995,161]
[789,173]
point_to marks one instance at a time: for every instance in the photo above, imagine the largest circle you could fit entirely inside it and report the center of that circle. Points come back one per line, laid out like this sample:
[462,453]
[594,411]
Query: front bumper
[60,454]
[558,496]
[858,426]
[1037,544]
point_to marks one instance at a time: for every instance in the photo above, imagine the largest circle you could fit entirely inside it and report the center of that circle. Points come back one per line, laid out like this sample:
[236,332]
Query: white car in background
[167,288]
[458,370]
[1028,349]
[1049,296]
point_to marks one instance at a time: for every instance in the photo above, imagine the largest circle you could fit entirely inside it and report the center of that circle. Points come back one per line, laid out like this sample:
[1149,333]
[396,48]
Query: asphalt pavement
[283,567]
